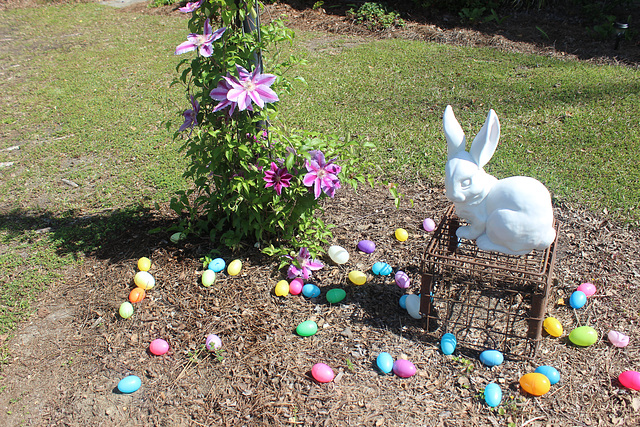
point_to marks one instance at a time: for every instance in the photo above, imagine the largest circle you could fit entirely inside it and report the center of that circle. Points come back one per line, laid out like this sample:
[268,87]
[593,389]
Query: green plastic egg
[126,310]
[307,328]
[336,295]
[584,336]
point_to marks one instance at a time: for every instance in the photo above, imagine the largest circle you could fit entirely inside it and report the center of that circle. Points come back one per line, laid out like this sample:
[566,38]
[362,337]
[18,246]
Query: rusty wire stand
[487,300]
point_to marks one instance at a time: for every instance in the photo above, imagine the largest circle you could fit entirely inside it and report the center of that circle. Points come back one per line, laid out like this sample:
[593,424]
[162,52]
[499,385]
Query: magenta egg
[366,246]
[295,287]
[428,224]
[630,379]
[322,373]
[402,280]
[588,288]
[159,347]
[403,368]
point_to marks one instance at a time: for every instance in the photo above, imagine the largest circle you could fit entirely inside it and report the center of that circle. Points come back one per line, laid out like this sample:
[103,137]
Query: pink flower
[202,42]
[191,6]
[251,87]
[277,178]
[220,94]
[322,175]
[190,116]
[306,265]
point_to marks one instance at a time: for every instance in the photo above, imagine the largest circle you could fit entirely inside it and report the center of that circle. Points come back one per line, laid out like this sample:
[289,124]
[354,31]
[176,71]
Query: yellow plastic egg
[144,280]
[282,288]
[144,264]
[401,234]
[357,277]
[552,326]
[535,383]
[234,267]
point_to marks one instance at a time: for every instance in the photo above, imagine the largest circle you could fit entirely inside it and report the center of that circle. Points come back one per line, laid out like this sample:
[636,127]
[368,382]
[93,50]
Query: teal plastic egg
[578,299]
[549,372]
[129,384]
[310,290]
[335,295]
[307,328]
[493,394]
[491,357]
[385,362]
[583,336]
[217,265]
[448,343]
[381,269]
[403,301]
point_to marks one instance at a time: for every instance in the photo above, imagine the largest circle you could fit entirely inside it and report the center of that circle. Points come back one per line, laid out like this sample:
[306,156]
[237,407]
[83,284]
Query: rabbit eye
[466,182]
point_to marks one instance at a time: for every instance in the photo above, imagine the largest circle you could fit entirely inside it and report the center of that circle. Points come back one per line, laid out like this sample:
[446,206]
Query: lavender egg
[366,246]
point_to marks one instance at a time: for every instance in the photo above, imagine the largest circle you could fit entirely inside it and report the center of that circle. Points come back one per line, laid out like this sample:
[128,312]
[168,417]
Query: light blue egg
[493,394]
[310,290]
[385,362]
[578,299]
[448,343]
[403,301]
[129,384]
[491,357]
[549,372]
[217,265]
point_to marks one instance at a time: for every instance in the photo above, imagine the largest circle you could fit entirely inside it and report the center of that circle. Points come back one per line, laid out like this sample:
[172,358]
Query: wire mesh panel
[488,300]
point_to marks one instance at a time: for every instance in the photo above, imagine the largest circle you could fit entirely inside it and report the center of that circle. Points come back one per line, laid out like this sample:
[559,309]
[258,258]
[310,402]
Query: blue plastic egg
[549,372]
[493,394]
[448,343]
[578,299]
[381,269]
[403,301]
[217,265]
[129,384]
[310,290]
[491,357]
[385,362]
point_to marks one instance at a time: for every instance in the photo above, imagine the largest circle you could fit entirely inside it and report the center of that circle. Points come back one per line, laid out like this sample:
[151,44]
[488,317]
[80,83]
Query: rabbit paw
[469,232]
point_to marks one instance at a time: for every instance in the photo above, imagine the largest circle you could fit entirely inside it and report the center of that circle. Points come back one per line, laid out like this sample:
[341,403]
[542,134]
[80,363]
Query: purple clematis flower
[277,178]
[191,116]
[251,87]
[202,42]
[220,94]
[322,175]
[306,265]
[191,6]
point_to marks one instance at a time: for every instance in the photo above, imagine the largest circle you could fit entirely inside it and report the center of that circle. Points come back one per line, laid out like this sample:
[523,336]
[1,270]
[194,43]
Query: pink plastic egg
[428,224]
[295,287]
[159,347]
[213,342]
[588,288]
[630,379]
[403,368]
[618,339]
[322,373]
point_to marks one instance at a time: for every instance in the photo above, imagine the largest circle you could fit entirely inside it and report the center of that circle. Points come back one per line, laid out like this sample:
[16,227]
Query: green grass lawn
[88,102]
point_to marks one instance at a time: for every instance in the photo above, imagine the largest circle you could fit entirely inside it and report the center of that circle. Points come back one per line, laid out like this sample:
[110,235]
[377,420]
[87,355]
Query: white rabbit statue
[512,215]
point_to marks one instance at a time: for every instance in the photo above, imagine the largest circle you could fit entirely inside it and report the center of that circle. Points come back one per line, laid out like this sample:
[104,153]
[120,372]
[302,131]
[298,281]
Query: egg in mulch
[129,384]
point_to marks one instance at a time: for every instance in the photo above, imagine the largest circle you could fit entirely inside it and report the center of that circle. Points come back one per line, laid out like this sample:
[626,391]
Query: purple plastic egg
[213,342]
[366,246]
[428,224]
[403,368]
[159,347]
[402,280]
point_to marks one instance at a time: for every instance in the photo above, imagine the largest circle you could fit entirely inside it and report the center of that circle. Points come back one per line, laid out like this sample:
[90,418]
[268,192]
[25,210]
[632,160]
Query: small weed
[219,355]
[472,16]
[467,365]
[375,16]
[350,365]
[317,5]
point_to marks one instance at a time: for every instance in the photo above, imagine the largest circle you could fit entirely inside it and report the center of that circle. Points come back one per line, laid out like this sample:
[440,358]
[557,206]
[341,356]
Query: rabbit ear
[486,141]
[456,140]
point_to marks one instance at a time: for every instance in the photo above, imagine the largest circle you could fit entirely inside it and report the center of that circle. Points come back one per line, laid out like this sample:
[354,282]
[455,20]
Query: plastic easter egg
[136,295]
[125,310]
[492,394]
[413,306]
[402,280]
[401,234]
[578,299]
[588,288]
[208,278]
[338,254]
[307,328]
[448,343]
[584,336]
[213,342]
[129,384]
[384,361]
[234,267]
[366,246]
[357,277]
[552,326]
[310,290]
[334,296]
[549,372]
[630,379]
[428,224]
[158,347]
[295,287]
[144,280]
[282,288]
[217,265]
[403,301]
[144,264]
[381,269]
[404,368]
[176,237]
[322,373]
[491,357]
[618,339]
[535,383]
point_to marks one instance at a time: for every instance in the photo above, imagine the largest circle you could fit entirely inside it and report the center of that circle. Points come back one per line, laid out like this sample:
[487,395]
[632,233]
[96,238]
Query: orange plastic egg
[136,295]
[535,383]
